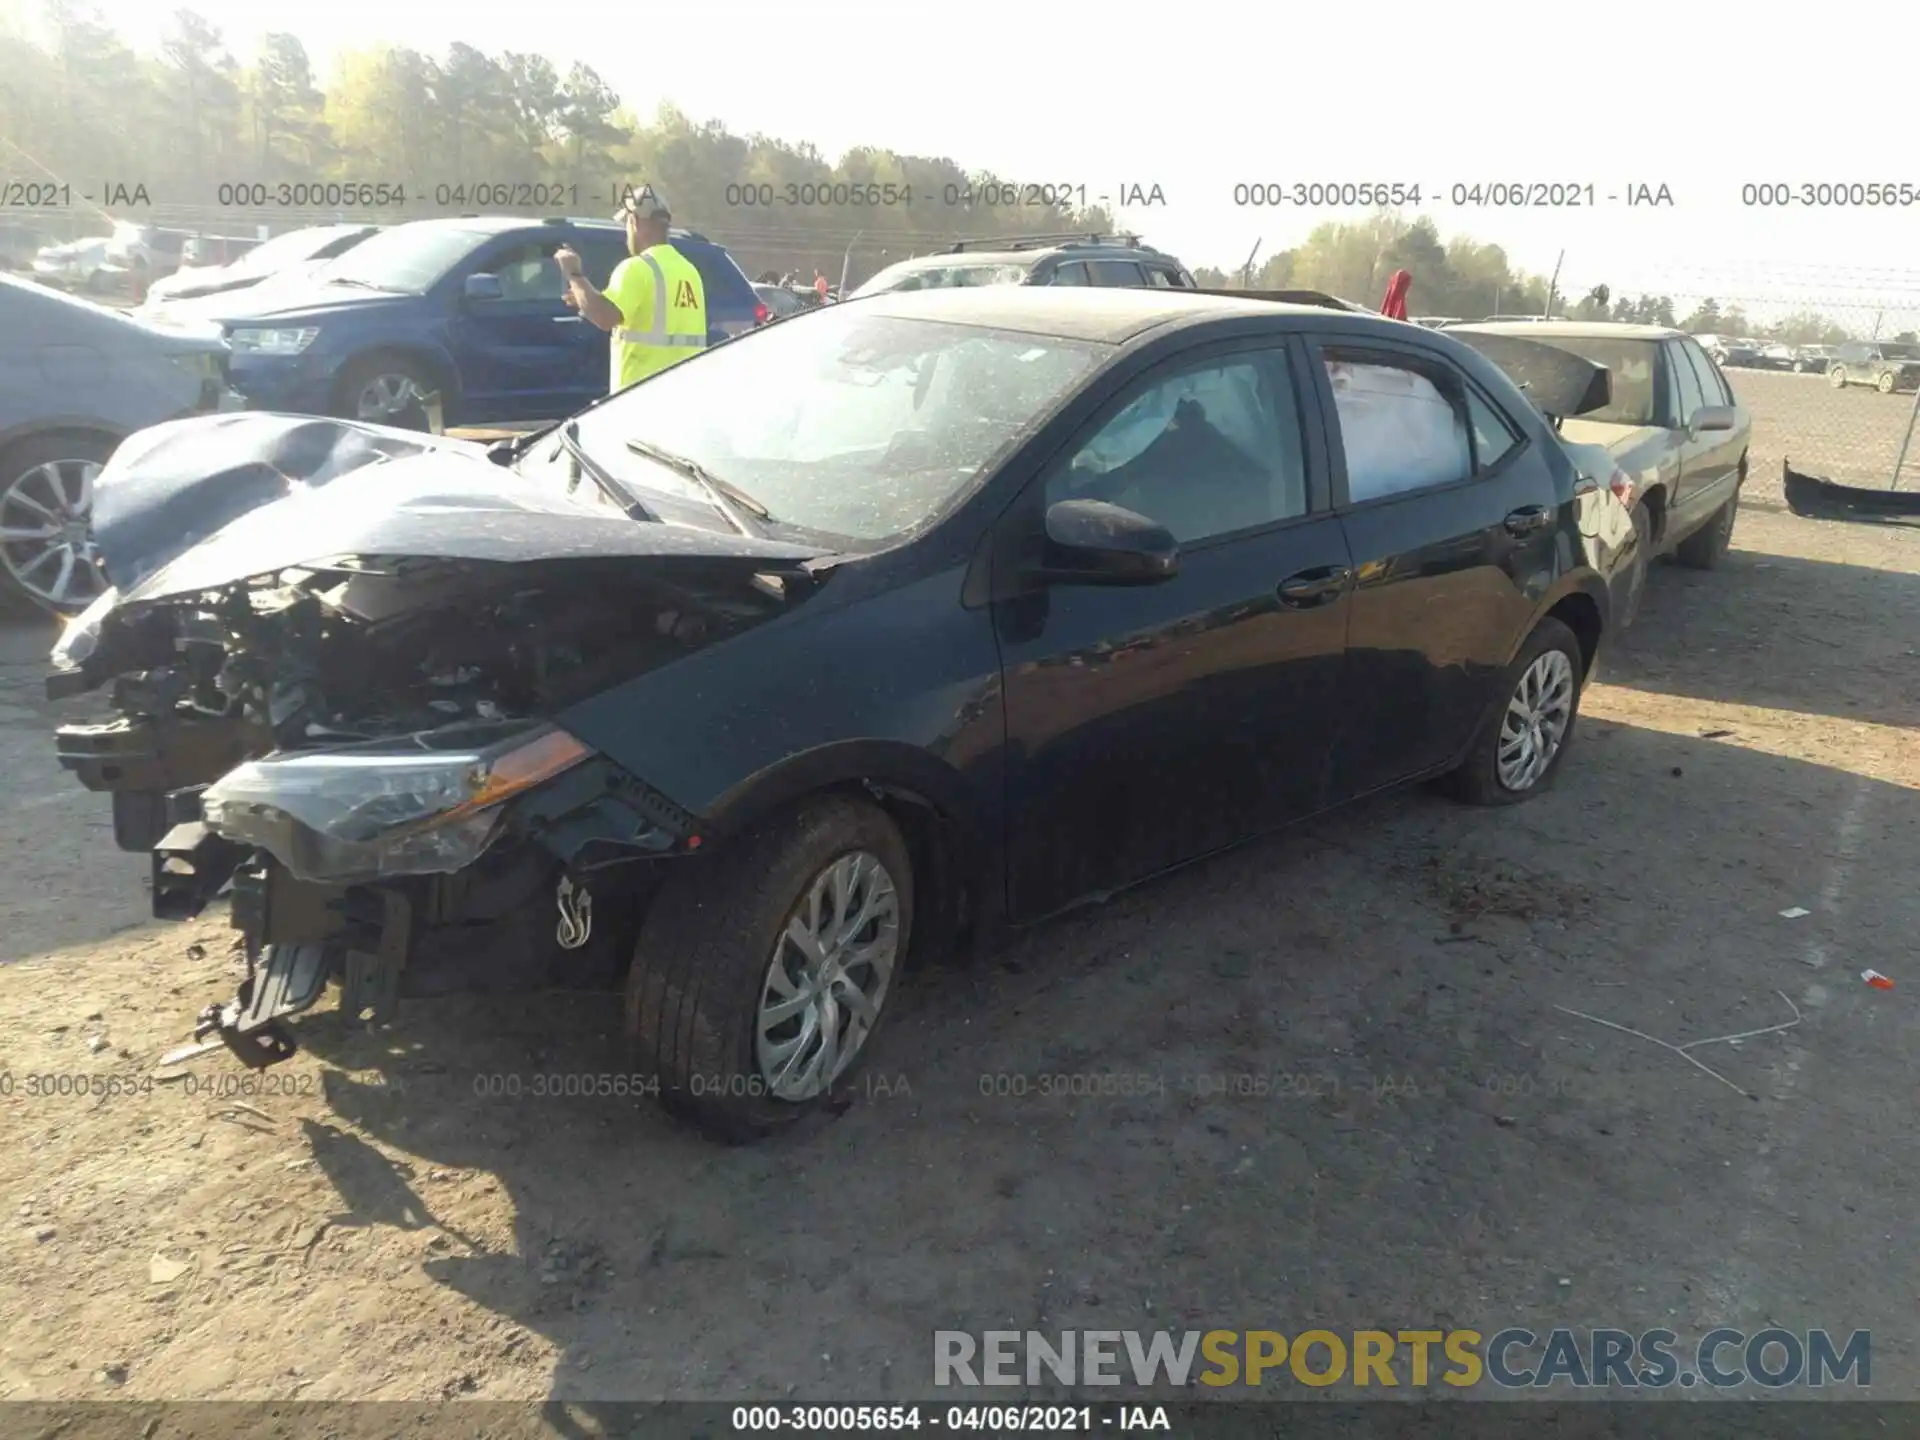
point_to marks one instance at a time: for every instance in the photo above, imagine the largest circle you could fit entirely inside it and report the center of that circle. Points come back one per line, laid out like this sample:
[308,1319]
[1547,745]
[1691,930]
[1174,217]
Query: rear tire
[1887,382]
[703,978]
[1544,680]
[1837,377]
[1708,546]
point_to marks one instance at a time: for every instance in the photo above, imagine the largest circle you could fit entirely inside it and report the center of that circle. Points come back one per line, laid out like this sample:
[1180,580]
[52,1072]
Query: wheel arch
[947,833]
[77,425]
[1584,605]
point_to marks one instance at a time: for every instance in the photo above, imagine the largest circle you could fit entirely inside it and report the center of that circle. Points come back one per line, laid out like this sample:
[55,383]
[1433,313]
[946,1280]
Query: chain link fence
[1831,380]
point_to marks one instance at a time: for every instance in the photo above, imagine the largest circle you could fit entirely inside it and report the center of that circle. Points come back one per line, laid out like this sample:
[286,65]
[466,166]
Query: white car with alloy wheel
[76,379]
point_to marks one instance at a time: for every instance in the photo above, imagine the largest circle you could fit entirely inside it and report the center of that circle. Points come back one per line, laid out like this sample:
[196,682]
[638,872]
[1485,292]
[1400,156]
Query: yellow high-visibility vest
[663,309]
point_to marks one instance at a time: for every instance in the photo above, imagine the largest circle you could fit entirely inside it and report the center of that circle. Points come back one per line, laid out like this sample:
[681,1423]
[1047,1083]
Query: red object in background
[1394,307]
[760,313]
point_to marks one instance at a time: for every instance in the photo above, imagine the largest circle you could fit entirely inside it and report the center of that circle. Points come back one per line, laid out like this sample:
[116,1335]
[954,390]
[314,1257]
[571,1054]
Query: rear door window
[1071,273]
[1691,396]
[1115,273]
[1403,425]
[1713,385]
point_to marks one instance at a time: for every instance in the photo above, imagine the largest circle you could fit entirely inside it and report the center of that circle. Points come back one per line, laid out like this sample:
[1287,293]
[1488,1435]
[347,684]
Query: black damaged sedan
[860,638]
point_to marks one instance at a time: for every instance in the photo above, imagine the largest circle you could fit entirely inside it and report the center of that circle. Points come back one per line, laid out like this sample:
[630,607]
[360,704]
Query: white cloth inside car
[1399,432]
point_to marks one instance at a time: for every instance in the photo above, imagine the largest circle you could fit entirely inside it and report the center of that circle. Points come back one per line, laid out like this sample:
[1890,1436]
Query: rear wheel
[762,973]
[1520,746]
[1708,546]
[47,557]
[1886,382]
[1837,377]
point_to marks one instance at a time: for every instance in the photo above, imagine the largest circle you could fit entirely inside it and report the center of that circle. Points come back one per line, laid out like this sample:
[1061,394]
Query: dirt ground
[1440,1143]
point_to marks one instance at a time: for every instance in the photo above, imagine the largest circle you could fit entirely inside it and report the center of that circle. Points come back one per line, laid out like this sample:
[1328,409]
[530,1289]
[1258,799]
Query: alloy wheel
[828,977]
[46,537]
[385,396]
[1535,725]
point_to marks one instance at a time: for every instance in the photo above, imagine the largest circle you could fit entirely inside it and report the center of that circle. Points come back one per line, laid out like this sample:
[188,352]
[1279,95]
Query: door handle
[1314,587]
[566,320]
[1527,519]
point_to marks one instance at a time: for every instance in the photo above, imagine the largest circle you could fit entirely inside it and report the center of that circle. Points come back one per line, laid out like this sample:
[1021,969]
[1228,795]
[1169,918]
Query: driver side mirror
[1710,419]
[1090,542]
[483,287]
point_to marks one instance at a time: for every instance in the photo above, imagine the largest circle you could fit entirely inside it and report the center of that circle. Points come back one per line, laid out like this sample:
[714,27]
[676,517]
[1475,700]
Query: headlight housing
[273,342]
[82,635]
[427,804]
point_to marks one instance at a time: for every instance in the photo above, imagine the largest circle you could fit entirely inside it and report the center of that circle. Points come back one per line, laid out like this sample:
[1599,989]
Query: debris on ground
[1876,979]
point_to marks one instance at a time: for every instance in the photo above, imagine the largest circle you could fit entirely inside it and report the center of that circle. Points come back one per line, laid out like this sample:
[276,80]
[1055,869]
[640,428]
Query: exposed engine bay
[363,753]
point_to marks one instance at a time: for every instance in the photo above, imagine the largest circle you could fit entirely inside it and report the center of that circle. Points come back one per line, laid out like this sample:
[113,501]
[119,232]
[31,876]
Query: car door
[524,355]
[1687,396]
[1710,462]
[1452,515]
[1149,725]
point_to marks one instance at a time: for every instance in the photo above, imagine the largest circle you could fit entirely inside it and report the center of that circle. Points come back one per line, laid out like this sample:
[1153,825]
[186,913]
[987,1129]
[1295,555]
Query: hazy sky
[1701,98]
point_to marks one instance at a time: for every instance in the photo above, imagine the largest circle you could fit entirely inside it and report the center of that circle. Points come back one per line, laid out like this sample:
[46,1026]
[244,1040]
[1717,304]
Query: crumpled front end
[362,754]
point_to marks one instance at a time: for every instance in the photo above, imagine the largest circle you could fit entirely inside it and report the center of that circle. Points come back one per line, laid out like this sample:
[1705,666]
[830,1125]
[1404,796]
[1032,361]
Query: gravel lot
[1441,1144]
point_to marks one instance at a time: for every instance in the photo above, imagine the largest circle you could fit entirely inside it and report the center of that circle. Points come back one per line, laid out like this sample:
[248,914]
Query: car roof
[1573,329]
[1109,315]
[1030,255]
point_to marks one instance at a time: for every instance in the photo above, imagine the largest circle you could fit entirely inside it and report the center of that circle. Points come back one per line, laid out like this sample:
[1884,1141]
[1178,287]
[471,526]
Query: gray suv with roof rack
[1064,259]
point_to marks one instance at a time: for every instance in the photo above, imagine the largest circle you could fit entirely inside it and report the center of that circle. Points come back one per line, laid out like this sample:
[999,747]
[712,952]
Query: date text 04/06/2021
[968,195]
[1468,195]
[960,1419]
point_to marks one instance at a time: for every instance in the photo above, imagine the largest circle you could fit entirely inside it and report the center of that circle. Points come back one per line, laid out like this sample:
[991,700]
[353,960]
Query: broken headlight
[428,804]
[82,635]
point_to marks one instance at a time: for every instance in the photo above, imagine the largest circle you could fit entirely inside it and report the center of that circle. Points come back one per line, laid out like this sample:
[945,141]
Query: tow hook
[575,903]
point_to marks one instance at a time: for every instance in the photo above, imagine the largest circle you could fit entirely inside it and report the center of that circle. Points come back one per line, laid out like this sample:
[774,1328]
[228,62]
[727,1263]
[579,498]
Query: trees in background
[78,104]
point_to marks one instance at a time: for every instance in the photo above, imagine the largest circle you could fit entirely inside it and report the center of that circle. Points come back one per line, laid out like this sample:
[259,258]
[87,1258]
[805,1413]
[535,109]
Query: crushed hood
[1557,381]
[199,504]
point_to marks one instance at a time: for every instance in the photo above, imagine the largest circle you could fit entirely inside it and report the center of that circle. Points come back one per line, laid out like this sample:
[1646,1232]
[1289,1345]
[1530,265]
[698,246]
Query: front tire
[47,557]
[763,973]
[384,390]
[1518,751]
[1886,383]
[1837,377]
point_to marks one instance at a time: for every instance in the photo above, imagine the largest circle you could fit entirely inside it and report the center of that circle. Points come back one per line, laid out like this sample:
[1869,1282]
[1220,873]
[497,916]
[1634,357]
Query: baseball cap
[643,204]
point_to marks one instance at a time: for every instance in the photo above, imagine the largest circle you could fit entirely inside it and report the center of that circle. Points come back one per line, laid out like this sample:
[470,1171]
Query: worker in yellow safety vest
[654,306]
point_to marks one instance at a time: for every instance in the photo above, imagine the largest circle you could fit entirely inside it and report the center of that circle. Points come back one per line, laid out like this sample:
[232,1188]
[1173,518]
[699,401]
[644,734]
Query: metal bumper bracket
[289,980]
[371,990]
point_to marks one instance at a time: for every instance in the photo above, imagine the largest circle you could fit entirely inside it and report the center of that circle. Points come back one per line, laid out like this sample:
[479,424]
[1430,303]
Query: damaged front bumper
[354,881]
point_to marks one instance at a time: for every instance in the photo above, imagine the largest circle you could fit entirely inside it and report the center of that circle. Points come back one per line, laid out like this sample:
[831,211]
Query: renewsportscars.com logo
[1512,1359]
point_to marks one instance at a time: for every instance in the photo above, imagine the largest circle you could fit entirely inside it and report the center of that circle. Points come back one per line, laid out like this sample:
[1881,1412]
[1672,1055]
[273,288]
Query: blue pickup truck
[470,309]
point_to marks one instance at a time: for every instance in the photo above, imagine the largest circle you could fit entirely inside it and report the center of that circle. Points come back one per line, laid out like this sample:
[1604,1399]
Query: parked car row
[1133,578]
[1092,260]
[1886,365]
